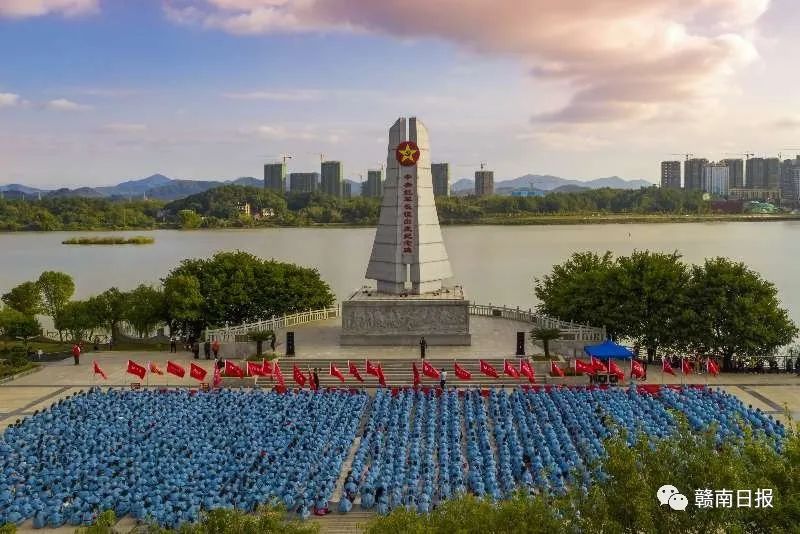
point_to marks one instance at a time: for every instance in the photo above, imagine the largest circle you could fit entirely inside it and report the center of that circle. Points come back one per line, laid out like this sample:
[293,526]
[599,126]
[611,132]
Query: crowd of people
[167,455]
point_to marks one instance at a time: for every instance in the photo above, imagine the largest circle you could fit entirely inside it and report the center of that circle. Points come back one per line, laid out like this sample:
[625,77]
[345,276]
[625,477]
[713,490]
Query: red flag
[155,369]
[217,382]
[510,370]
[372,369]
[334,371]
[298,376]
[136,369]
[615,370]
[96,369]
[417,377]
[488,370]
[311,382]
[266,368]
[354,371]
[197,372]
[255,369]
[430,371]
[381,378]
[599,366]
[175,369]
[462,373]
[666,367]
[713,368]
[582,367]
[637,369]
[231,369]
[525,369]
[686,367]
[555,370]
[276,372]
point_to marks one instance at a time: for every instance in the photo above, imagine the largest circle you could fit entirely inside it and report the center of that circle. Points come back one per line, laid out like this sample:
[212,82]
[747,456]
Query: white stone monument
[408,261]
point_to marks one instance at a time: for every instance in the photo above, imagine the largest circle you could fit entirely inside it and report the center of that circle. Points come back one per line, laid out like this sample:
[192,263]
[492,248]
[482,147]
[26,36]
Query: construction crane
[282,157]
[747,155]
[796,151]
[687,154]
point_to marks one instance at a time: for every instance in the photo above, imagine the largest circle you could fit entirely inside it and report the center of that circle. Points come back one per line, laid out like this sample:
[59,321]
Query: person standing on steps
[173,344]
[76,353]
[423,345]
[442,378]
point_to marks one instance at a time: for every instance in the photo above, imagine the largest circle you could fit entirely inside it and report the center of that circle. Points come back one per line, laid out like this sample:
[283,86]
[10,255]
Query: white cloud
[282,133]
[62,104]
[124,127]
[8,100]
[37,8]
[292,95]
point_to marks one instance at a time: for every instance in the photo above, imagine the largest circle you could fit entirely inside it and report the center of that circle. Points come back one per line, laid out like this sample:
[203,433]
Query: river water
[495,264]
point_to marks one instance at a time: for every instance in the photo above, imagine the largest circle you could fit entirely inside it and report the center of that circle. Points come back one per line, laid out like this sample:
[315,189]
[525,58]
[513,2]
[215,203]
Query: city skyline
[213,89]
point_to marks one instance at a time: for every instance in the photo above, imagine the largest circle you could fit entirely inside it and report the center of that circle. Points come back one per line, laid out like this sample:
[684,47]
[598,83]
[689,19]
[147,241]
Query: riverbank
[114,240]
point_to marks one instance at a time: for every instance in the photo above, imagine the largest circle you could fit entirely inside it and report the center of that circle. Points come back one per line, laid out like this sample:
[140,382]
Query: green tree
[189,219]
[734,312]
[25,298]
[145,309]
[649,298]
[578,290]
[546,335]
[56,288]
[260,336]
[14,324]
[79,318]
[238,287]
[111,308]
[183,304]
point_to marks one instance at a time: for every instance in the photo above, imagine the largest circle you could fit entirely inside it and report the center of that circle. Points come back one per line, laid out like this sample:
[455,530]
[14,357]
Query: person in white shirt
[442,378]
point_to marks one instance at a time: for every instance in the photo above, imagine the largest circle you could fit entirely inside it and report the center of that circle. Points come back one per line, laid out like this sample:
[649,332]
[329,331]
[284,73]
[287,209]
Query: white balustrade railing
[569,331]
[228,334]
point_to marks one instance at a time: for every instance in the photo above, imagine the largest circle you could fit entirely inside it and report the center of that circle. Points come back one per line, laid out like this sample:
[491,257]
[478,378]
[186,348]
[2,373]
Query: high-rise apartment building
[756,173]
[484,183]
[790,180]
[693,174]
[332,178]
[275,177]
[716,179]
[441,179]
[374,186]
[347,189]
[735,172]
[303,182]
[772,173]
[670,174]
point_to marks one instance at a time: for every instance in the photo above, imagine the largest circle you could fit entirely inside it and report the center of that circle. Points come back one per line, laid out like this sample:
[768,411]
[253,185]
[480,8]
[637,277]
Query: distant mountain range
[546,182]
[156,186]
[162,187]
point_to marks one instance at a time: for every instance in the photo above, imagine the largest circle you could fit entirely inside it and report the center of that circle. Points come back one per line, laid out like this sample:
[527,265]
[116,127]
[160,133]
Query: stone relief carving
[403,320]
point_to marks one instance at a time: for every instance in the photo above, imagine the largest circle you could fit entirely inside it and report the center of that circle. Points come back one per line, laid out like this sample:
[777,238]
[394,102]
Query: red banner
[298,376]
[525,369]
[510,370]
[255,369]
[334,371]
[582,367]
[266,368]
[136,369]
[430,371]
[372,369]
[278,375]
[615,370]
[155,369]
[462,373]
[417,376]
[599,366]
[175,369]
[555,370]
[666,367]
[233,370]
[96,370]
[712,366]
[488,370]
[637,369]
[354,371]
[197,372]
[686,367]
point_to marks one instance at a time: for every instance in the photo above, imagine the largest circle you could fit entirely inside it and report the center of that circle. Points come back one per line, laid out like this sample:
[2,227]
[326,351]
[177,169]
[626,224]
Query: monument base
[371,318]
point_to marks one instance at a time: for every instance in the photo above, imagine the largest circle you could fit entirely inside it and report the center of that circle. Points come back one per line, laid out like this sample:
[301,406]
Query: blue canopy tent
[607,350]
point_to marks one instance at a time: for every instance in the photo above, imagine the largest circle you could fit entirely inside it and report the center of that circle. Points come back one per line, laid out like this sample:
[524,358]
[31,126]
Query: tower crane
[686,154]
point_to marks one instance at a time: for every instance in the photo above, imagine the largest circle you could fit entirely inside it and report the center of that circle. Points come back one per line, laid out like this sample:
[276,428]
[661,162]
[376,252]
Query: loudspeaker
[290,343]
[520,343]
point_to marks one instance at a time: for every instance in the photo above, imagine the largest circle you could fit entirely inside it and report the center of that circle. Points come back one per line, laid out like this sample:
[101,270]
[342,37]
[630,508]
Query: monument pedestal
[372,318]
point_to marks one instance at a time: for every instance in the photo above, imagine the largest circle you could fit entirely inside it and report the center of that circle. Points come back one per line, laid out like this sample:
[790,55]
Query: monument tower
[408,262]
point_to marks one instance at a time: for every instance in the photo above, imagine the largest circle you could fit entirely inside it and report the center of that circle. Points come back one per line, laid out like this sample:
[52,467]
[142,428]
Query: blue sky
[102,91]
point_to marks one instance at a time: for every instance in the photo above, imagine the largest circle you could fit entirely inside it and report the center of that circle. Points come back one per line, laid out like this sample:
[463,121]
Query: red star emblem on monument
[407,153]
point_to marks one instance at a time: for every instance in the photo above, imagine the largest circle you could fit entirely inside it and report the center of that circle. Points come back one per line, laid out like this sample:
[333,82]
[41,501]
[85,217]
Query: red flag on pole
[488,370]
[555,370]
[255,369]
[430,371]
[637,369]
[525,369]
[311,382]
[462,373]
[266,368]
[510,370]
[381,377]
[713,368]
[96,370]
[372,369]
[217,381]
[136,369]
[354,371]
[417,377]
[615,370]
[584,368]
[233,370]
[276,371]
[334,371]
[686,367]
[599,366]
[197,372]
[175,369]
[298,376]
[666,367]
[155,369]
